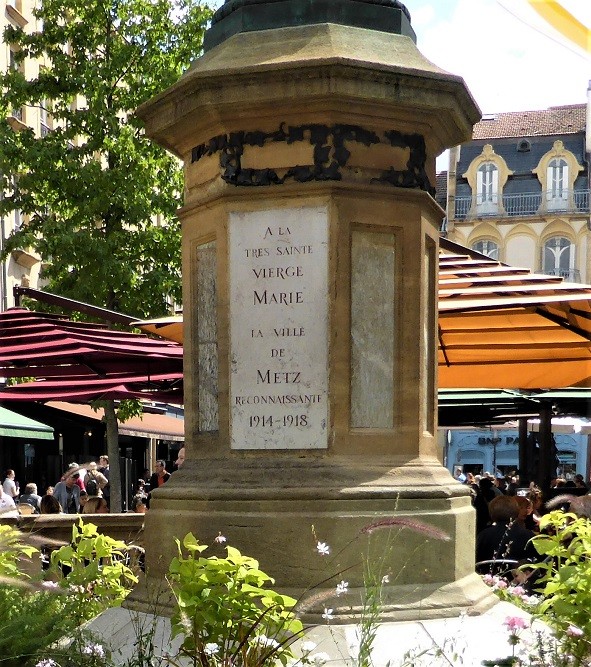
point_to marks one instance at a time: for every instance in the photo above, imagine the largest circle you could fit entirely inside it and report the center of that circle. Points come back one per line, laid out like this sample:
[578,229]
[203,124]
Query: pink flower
[517,590]
[573,631]
[514,623]
[488,579]
[501,583]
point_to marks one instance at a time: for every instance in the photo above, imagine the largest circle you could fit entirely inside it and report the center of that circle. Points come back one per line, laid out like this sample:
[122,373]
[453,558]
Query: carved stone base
[375,517]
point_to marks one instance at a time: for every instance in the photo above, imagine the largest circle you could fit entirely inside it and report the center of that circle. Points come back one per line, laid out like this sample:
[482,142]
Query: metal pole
[524,458]
[494,439]
[3,271]
[546,453]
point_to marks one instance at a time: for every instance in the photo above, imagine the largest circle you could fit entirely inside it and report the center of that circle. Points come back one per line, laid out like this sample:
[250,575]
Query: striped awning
[506,327]
[500,326]
[13,425]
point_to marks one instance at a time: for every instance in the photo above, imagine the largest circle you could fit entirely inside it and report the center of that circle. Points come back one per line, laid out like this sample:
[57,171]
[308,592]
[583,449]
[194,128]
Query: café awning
[148,425]
[44,345]
[13,425]
[82,361]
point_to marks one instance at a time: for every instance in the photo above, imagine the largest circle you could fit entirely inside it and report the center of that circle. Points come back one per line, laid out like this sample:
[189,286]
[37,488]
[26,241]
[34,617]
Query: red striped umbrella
[166,388]
[41,345]
[81,361]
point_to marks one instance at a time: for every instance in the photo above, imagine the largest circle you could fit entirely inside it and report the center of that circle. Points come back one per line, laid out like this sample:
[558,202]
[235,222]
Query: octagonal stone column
[310,245]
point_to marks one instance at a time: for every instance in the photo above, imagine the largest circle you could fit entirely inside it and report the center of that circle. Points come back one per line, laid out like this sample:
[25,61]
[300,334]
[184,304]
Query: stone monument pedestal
[310,241]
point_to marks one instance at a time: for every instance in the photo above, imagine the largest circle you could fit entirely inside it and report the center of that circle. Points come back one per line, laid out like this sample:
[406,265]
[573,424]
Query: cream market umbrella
[509,328]
[499,326]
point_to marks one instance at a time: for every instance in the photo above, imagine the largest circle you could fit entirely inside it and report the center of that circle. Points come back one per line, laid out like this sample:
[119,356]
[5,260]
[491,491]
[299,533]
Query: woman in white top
[7,506]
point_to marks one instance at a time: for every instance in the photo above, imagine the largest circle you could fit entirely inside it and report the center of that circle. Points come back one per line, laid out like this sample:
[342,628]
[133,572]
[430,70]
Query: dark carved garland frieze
[330,155]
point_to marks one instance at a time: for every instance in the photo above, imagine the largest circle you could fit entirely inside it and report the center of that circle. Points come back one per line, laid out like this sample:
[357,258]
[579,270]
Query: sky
[510,58]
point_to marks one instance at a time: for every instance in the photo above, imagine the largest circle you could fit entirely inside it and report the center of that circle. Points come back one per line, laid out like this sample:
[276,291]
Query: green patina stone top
[236,16]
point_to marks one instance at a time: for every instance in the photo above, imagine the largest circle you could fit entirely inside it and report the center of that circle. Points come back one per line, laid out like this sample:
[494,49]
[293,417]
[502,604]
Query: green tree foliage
[91,188]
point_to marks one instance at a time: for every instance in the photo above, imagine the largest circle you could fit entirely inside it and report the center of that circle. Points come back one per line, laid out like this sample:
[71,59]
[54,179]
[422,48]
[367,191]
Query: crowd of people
[508,515]
[82,489]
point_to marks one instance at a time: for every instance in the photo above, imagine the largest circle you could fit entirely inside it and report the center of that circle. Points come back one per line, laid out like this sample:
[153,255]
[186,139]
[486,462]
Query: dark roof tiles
[568,119]
[441,188]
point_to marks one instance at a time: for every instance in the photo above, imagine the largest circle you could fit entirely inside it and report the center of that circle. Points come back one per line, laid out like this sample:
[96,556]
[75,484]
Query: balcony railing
[522,205]
[570,275]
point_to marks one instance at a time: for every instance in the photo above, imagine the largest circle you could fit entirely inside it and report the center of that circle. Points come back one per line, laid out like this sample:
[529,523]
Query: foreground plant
[562,593]
[93,565]
[12,549]
[565,573]
[225,613]
[35,615]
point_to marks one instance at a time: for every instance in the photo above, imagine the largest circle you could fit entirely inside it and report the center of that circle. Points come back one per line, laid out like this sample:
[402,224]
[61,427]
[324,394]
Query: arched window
[557,184]
[488,248]
[487,189]
[559,257]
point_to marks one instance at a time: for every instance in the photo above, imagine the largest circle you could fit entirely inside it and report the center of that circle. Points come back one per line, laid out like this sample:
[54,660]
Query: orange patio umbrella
[499,326]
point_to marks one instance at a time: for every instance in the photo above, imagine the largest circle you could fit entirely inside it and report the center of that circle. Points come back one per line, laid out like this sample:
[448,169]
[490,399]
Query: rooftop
[441,188]
[568,119]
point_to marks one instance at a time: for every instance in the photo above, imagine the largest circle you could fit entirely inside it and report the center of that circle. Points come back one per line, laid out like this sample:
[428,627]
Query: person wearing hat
[72,468]
[94,480]
[67,493]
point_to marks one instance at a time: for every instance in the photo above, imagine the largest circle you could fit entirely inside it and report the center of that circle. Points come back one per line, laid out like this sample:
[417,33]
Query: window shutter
[550,182]
[495,185]
[479,186]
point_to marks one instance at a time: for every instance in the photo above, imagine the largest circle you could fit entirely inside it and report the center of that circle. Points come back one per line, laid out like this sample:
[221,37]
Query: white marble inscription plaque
[278,328]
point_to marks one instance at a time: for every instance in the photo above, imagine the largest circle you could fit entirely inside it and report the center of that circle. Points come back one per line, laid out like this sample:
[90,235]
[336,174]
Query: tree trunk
[113,451]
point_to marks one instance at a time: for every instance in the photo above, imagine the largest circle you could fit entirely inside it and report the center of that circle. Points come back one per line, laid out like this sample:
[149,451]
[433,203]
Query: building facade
[519,191]
[22,266]
[496,451]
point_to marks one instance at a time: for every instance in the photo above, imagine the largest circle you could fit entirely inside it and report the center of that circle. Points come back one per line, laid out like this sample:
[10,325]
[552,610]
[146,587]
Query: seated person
[138,503]
[504,538]
[50,505]
[95,505]
[30,497]
[83,499]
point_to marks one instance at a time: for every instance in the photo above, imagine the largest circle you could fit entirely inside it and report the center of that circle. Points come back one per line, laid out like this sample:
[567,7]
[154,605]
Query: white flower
[386,579]
[323,548]
[574,631]
[94,649]
[211,648]
[327,614]
[531,599]
[50,584]
[265,642]
[319,659]
[342,587]
[220,539]
[308,646]
[48,662]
